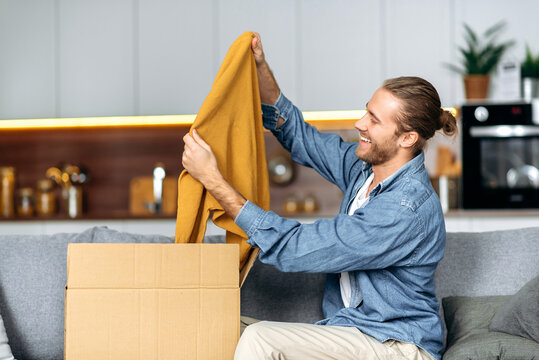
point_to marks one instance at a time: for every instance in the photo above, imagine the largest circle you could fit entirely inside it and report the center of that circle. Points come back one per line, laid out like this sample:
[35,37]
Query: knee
[251,342]
[253,333]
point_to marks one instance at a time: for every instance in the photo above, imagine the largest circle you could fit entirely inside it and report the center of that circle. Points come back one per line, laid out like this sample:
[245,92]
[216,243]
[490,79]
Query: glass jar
[7,191]
[45,199]
[25,202]
[310,204]
[292,205]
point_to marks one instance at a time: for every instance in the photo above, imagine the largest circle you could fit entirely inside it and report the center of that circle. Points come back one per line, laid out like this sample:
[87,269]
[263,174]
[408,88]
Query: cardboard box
[152,301]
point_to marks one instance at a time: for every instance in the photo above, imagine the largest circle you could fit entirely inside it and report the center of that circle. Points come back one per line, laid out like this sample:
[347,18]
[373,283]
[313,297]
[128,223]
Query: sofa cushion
[32,287]
[493,346]
[468,335]
[520,315]
[269,294]
[487,263]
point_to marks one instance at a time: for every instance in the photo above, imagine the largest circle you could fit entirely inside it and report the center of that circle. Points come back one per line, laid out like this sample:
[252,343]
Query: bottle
[7,191]
[25,202]
[74,201]
[45,199]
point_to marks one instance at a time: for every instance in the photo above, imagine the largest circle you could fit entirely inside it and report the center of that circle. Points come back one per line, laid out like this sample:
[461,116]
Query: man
[380,252]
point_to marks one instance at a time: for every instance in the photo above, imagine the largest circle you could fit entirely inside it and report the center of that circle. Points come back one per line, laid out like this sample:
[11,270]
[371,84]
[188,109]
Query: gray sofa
[475,265]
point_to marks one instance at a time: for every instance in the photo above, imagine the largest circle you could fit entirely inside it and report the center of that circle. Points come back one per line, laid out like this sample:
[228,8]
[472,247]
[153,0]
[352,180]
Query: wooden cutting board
[141,192]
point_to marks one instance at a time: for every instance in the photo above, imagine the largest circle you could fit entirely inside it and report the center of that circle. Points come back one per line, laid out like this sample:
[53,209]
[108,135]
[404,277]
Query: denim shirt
[390,247]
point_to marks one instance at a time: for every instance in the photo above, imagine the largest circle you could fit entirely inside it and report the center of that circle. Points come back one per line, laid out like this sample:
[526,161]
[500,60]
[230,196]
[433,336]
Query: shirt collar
[412,166]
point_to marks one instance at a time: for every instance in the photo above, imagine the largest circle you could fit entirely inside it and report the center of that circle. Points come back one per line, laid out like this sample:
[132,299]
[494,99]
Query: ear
[408,139]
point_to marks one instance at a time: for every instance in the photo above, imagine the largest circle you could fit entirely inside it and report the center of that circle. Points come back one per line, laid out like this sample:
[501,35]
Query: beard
[378,153]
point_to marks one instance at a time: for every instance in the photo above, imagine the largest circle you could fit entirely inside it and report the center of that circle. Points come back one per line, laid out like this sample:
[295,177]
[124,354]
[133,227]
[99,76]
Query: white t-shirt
[360,199]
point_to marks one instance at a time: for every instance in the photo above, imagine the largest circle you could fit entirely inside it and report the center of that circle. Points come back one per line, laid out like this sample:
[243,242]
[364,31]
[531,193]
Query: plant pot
[530,88]
[476,86]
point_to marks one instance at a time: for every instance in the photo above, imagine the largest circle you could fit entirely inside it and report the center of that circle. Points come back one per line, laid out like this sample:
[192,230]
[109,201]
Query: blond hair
[421,109]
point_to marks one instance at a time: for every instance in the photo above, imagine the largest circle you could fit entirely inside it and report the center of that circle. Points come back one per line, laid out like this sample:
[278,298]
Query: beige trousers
[290,341]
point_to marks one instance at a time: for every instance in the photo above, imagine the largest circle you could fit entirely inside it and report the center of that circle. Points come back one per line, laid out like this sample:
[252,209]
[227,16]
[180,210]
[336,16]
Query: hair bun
[448,122]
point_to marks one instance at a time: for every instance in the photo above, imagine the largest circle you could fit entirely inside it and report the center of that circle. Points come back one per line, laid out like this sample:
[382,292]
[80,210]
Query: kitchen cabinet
[411,33]
[95,58]
[175,55]
[64,58]
[276,21]
[340,62]
[28,61]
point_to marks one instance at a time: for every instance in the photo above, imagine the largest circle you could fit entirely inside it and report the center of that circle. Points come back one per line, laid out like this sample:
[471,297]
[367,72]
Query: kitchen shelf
[116,215]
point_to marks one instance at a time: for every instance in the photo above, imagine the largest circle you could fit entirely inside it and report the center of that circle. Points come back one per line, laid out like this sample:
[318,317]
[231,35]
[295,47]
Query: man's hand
[269,90]
[198,159]
[258,52]
[200,162]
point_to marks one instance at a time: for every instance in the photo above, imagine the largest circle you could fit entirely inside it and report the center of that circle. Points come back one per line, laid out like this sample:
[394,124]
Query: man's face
[378,141]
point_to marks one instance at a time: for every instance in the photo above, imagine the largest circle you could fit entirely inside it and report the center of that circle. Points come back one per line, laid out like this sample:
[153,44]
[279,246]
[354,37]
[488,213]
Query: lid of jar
[44,184]
[7,170]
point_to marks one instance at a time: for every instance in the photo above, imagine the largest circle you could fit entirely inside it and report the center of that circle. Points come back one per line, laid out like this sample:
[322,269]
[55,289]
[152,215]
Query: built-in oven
[500,156]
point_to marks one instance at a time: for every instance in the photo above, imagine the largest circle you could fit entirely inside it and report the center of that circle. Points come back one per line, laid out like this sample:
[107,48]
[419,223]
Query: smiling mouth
[364,139]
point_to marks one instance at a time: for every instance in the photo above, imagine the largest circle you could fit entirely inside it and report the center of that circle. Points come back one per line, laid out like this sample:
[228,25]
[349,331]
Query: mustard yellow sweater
[230,121]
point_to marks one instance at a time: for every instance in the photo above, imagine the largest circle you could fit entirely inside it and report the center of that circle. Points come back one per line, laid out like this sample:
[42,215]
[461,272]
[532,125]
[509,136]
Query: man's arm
[385,235]
[199,160]
[330,157]
[267,85]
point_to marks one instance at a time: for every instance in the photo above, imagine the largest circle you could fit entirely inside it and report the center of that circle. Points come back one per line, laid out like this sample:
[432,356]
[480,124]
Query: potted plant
[480,56]
[529,71]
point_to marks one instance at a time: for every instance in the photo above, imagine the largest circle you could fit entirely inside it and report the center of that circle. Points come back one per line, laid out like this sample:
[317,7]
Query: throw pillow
[468,335]
[466,315]
[5,350]
[520,315]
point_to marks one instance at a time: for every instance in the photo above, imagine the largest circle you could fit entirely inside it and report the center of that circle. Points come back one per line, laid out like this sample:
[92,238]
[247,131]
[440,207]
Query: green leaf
[530,66]
[471,37]
[495,29]
[481,55]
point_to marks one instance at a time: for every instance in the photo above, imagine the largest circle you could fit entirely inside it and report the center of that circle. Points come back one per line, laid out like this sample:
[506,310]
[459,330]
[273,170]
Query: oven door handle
[504,131]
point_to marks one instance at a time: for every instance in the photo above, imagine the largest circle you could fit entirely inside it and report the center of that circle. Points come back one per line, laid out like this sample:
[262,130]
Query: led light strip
[113,121]
[324,119]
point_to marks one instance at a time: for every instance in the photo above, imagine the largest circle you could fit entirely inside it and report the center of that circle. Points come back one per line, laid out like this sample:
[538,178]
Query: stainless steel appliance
[500,153]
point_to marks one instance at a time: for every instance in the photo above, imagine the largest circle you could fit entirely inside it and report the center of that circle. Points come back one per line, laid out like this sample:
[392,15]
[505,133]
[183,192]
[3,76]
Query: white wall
[64,58]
